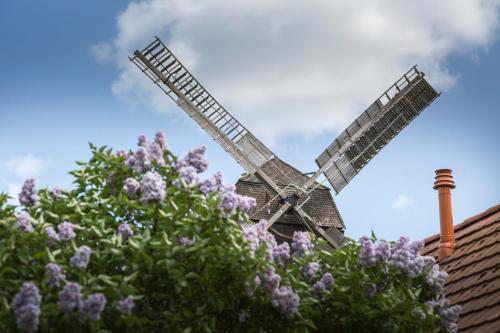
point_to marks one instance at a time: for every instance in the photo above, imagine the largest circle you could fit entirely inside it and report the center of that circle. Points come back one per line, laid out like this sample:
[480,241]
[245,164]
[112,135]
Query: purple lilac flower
[52,235]
[301,243]
[311,269]
[142,141]
[142,160]
[436,278]
[252,237]
[327,279]
[281,253]
[187,174]
[54,274]
[213,184]
[382,251]
[56,193]
[195,159]
[401,243]
[185,241]
[130,161]
[131,187]
[152,187]
[23,222]
[256,234]
[160,139]
[26,307]
[156,153]
[246,203]
[28,195]
[93,306]
[415,247]
[400,256]
[271,279]
[229,199]
[251,287]
[324,283]
[120,153]
[431,305]
[403,255]
[125,306]
[125,231]
[415,267]
[367,254]
[70,298]
[81,258]
[66,231]
[285,300]
[450,315]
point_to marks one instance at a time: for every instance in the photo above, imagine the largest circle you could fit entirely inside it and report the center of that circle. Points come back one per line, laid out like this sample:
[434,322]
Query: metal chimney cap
[444,178]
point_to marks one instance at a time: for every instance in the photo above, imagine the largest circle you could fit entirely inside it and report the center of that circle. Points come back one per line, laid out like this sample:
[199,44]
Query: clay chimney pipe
[444,183]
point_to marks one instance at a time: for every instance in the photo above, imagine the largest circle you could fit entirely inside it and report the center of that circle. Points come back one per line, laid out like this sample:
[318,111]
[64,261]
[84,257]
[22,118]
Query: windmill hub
[288,199]
[292,199]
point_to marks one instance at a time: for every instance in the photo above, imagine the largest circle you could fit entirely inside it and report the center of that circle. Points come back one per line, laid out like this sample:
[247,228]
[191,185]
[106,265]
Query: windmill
[285,196]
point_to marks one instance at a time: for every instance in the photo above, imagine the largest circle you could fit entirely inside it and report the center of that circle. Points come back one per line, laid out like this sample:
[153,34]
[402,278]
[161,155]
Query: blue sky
[63,84]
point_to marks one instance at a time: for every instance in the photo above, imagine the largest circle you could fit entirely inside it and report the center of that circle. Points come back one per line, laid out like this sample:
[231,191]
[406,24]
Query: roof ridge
[274,163]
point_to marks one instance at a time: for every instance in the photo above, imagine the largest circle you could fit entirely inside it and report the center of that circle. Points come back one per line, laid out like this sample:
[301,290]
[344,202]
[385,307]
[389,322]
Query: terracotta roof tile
[474,271]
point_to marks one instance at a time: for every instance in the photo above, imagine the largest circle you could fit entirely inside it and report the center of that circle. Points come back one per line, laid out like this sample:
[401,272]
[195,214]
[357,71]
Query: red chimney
[444,183]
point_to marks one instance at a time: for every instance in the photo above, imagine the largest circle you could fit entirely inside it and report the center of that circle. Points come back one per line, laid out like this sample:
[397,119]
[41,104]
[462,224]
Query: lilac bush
[144,242]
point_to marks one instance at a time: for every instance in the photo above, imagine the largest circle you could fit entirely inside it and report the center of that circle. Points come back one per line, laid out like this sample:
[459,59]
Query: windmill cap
[444,178]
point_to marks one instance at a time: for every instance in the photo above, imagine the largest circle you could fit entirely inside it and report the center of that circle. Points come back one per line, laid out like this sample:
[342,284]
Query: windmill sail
[375,127]
[166,71]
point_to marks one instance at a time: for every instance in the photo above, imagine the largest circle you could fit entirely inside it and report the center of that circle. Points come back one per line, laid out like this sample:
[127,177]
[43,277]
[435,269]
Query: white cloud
[286,67]
[403,203]
[26,165]
[13,190]
[102,51]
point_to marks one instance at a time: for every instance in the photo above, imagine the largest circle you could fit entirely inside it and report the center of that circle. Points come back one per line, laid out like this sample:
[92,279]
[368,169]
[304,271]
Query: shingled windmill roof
[319,204]
[474,271]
